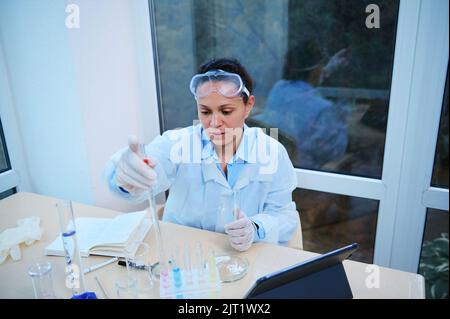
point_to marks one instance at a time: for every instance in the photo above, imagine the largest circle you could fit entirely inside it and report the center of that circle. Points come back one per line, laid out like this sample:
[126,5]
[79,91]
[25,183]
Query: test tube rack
[188,284]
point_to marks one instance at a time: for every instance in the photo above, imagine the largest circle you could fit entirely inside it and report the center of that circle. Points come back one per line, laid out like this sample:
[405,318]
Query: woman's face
[223,117]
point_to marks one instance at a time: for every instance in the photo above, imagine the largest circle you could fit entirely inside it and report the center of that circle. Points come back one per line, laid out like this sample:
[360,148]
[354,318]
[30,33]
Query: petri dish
[231,268]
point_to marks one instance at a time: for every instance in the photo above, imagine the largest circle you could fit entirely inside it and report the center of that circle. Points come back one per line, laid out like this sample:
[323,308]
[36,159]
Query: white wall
[78,93]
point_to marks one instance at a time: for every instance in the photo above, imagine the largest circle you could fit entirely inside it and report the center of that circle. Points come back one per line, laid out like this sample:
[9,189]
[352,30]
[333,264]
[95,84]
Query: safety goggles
[225,83]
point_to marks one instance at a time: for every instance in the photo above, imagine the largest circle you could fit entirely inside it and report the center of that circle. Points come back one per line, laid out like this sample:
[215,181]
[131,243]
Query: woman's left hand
[240,232]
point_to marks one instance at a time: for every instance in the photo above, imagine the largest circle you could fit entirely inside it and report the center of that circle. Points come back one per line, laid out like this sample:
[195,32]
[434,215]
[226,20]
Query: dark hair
[230,65]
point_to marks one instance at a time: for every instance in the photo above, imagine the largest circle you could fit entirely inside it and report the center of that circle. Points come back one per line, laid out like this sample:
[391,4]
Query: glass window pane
[331,221]
[7,193]
[440,169]
[321,76]
[434,256]
[4,158]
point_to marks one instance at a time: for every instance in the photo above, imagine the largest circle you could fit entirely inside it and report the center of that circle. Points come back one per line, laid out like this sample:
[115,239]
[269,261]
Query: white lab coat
[200,195]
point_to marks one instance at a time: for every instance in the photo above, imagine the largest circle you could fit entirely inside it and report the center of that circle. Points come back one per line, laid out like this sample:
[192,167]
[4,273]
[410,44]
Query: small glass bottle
[74,267]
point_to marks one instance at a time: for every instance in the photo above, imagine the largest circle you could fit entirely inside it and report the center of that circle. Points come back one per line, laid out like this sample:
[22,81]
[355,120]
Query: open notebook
[105,236]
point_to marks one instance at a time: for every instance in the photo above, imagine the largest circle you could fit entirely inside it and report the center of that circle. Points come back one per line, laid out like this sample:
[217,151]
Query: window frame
[17,177]
[427,87]
[409,155]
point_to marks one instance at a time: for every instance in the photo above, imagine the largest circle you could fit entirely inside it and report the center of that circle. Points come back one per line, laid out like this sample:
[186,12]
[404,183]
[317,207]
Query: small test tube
[200,263]
[164,278]
[176,274]
[164,275]
[176,271]
[187,264]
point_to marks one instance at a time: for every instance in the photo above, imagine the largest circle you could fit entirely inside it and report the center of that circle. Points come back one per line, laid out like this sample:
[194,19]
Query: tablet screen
[319,277]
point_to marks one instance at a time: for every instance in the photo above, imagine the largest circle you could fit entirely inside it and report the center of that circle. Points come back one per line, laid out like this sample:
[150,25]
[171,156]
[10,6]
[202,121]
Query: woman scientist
[207,164]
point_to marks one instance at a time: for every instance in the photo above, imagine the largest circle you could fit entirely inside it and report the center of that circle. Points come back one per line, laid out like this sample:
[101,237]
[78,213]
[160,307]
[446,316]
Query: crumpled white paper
[28,231]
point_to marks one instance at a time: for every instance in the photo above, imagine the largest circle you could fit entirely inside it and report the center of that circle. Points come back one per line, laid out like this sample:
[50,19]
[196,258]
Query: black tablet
[320,277]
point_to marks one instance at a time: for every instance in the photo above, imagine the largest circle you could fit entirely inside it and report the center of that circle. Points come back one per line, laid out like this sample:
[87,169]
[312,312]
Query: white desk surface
[263,258]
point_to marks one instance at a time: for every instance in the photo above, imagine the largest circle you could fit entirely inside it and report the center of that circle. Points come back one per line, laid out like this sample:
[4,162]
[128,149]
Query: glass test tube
[187,264]
[199,262]
[163,266]
[176,271]
[74,267]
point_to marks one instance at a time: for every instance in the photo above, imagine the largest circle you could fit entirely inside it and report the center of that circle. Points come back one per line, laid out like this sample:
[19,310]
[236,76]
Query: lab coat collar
[250,171]
[211,172]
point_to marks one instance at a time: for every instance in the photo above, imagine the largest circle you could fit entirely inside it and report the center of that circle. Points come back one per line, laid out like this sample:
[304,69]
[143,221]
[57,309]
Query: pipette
[140,150]
[235,204]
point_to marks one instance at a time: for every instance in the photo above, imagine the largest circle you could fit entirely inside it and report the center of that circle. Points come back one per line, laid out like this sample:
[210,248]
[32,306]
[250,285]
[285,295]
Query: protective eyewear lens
[225,83]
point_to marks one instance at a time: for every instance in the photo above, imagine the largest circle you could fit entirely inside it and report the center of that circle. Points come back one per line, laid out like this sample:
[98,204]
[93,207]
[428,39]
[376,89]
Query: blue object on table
[86,295]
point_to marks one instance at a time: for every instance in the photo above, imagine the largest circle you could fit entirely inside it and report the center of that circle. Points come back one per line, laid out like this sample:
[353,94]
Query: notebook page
[87,233]
[120,228]
[119,249]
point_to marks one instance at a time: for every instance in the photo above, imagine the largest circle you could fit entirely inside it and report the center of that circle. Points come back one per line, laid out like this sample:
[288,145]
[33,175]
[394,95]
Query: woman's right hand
[134,172]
